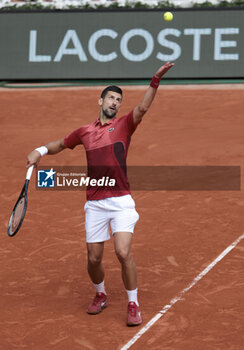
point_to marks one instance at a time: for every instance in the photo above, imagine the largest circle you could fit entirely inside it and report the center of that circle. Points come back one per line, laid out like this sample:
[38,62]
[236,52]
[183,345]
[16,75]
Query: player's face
[110,104]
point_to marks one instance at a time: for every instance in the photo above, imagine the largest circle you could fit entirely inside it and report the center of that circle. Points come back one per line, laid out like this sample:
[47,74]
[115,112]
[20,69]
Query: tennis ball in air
[168,16]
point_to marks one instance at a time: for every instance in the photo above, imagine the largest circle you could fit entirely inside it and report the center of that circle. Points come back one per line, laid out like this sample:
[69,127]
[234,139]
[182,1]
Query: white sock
[132,296]
[100,287]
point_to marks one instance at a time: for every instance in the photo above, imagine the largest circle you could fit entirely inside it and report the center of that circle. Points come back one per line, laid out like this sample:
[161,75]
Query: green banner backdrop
[121,44]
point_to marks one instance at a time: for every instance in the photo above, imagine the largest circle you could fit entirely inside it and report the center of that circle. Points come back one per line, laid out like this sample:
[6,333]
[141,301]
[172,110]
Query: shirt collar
[107,123]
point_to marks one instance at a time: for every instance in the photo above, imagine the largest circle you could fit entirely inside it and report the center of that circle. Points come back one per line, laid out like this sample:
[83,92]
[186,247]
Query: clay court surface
[44,286]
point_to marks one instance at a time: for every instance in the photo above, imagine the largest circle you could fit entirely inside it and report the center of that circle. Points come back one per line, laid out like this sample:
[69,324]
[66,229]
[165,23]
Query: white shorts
[117,212]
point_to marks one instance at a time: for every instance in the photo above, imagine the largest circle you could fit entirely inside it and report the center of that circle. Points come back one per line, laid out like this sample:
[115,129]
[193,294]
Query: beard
[109,113]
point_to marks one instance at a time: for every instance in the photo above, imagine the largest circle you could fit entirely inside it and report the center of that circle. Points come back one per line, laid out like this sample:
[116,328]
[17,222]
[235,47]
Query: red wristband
[155,82]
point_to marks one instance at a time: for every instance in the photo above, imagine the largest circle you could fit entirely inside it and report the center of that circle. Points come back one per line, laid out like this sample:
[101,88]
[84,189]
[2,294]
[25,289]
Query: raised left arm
[148,98]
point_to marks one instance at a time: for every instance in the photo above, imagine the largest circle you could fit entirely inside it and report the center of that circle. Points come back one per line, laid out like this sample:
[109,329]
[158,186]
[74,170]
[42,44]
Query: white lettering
[71,45]
[169,44]
[100,182]
[92,45]
[111,182]
[68,182]
[59,181]
[93,182]
[84,181]
[33,57]
[77,50]
[75,182]
[219,44]
[103,181]
[197,32]
[139,57]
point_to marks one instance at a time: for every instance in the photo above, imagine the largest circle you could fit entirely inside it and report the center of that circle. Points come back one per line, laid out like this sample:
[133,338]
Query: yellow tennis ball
[168,16]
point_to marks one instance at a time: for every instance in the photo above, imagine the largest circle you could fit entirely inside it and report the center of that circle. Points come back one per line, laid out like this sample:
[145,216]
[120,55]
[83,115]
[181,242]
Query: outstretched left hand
[164,69]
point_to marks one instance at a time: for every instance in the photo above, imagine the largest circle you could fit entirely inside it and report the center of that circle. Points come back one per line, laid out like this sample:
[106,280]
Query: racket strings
[17,215]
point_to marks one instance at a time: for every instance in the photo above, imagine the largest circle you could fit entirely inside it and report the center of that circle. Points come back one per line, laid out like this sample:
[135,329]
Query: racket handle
[29,172]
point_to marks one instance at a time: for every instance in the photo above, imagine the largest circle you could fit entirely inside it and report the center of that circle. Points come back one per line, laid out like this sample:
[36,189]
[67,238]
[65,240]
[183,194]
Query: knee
[94,259]
[123,255]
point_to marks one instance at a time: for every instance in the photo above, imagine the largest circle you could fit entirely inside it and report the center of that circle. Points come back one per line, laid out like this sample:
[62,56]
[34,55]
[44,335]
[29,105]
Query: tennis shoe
[98,304]
[134,314]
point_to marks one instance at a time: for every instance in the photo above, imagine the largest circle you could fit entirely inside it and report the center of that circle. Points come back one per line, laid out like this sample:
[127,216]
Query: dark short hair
[113,88]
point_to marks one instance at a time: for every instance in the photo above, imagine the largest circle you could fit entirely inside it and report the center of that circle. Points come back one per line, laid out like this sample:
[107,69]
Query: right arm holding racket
[51,148]
[19,210]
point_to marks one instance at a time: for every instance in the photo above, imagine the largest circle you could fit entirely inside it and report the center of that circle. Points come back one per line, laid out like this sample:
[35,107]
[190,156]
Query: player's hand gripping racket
[20,207]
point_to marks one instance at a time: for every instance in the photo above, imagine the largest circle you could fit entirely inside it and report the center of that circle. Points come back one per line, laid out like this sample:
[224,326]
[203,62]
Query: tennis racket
[20,207]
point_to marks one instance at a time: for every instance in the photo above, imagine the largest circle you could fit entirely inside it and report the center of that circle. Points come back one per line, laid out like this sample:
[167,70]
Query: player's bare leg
[94,264]
[96,273]
[122,245]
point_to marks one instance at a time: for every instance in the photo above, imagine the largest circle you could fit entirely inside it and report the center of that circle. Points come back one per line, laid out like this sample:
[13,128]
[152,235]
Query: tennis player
[106,142]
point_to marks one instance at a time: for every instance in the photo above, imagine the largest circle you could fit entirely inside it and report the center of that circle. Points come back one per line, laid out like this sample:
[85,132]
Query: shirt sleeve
[73,139]
[130,122]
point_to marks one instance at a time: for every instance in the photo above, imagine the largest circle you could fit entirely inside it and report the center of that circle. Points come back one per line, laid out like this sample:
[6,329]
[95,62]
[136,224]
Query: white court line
[179,296]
